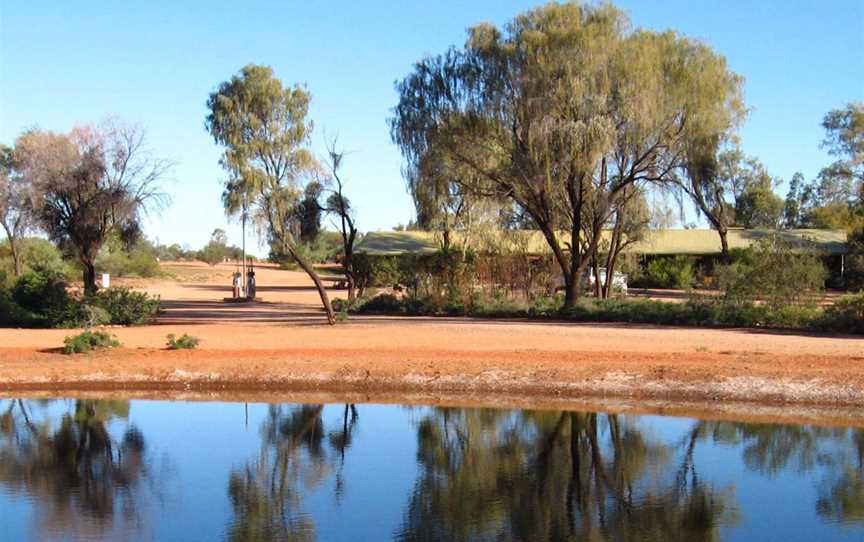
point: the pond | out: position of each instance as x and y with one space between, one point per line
200 471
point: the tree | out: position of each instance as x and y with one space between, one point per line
339 205
562 111
263 128
756 205
89 184
16 210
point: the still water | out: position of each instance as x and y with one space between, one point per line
146 470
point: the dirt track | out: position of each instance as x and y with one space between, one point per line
283 346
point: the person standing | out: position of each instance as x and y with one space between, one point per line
250 281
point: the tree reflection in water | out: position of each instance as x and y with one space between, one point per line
495 475
769 449
294 459
83 480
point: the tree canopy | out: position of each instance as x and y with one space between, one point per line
561 111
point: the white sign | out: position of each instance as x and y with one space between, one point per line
106 280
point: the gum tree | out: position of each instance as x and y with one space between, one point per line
562 111
16 211
263 128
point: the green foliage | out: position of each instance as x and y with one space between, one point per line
772 271
41 292
137 263
846 314
326 247
127 307
82 313
668 272
184 342
87 341
11 314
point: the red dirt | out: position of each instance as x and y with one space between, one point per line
283 345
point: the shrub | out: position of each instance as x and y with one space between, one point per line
669 272
137 263
127 307
383 304
772 271
845 315
184 342
41 292
82 313
87 341
11 314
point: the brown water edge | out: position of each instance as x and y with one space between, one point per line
748 412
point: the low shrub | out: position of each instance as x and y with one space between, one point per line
137 263
127 307
773 271
383 304
845 315
12 314
41 292
184 342
87 341
668 272
82 313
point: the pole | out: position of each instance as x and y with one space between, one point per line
245 286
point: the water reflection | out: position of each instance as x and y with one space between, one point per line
492 475
81 478
295 458
85 471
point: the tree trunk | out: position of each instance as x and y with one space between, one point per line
322 292
724 243
13 247
89 278
16 257
571 291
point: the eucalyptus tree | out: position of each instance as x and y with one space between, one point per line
263 128
90 184
16 209
563 110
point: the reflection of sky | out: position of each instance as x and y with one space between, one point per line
193 447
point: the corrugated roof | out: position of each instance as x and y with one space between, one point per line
694 242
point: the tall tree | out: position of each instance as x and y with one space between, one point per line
89 184
562 108
16 209
263 127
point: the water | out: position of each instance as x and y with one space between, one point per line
142 470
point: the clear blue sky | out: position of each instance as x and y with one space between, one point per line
155 62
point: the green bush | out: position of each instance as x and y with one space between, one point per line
87 341
82 313
137 263
772 271
41 292
668 272
383 304
127 307
845 315
11 314
184 342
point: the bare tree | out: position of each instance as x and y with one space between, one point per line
89 183
338 205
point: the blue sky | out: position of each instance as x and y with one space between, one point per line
63 63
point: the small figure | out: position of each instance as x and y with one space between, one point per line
236 284
250 281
